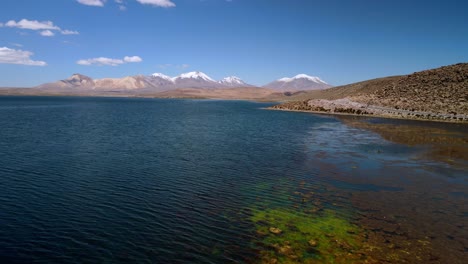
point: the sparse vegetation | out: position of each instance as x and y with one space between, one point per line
437 94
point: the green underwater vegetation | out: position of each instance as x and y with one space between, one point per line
288 236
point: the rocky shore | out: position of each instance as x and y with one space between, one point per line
348 107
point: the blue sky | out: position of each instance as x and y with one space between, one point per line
258 40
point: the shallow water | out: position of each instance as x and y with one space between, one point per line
177 181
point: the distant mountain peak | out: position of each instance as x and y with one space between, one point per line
162 76
298 82
78 79
303 76
233 81
195 75
232 78
78 75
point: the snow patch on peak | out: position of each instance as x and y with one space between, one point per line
285 79
194 75
302 76
162 76
312 78
232 80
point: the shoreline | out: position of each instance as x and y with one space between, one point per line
368 115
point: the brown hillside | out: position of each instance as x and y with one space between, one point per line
441 90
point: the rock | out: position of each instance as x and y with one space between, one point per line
313 243
287 251
275 230
272 261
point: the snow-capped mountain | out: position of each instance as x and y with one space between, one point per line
233 81
162 76
159 82
297 83
302 76
194 79
196 75
155 82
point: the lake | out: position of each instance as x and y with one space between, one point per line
108 180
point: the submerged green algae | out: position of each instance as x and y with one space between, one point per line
307 238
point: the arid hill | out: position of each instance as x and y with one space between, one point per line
438 94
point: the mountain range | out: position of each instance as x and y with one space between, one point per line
159 82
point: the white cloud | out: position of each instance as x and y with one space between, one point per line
103 61
12 56
69 32
46 27
161 3
47 33
132 59
121 5
32 24
92 2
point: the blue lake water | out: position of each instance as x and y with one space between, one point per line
107 180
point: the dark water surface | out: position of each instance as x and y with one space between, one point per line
108 180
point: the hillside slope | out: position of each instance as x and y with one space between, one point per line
437 94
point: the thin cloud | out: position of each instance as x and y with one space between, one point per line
69 32
12 56
121 5
101 3
46 27
92 2
47 33
132 59
32 24
160 3
103 61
